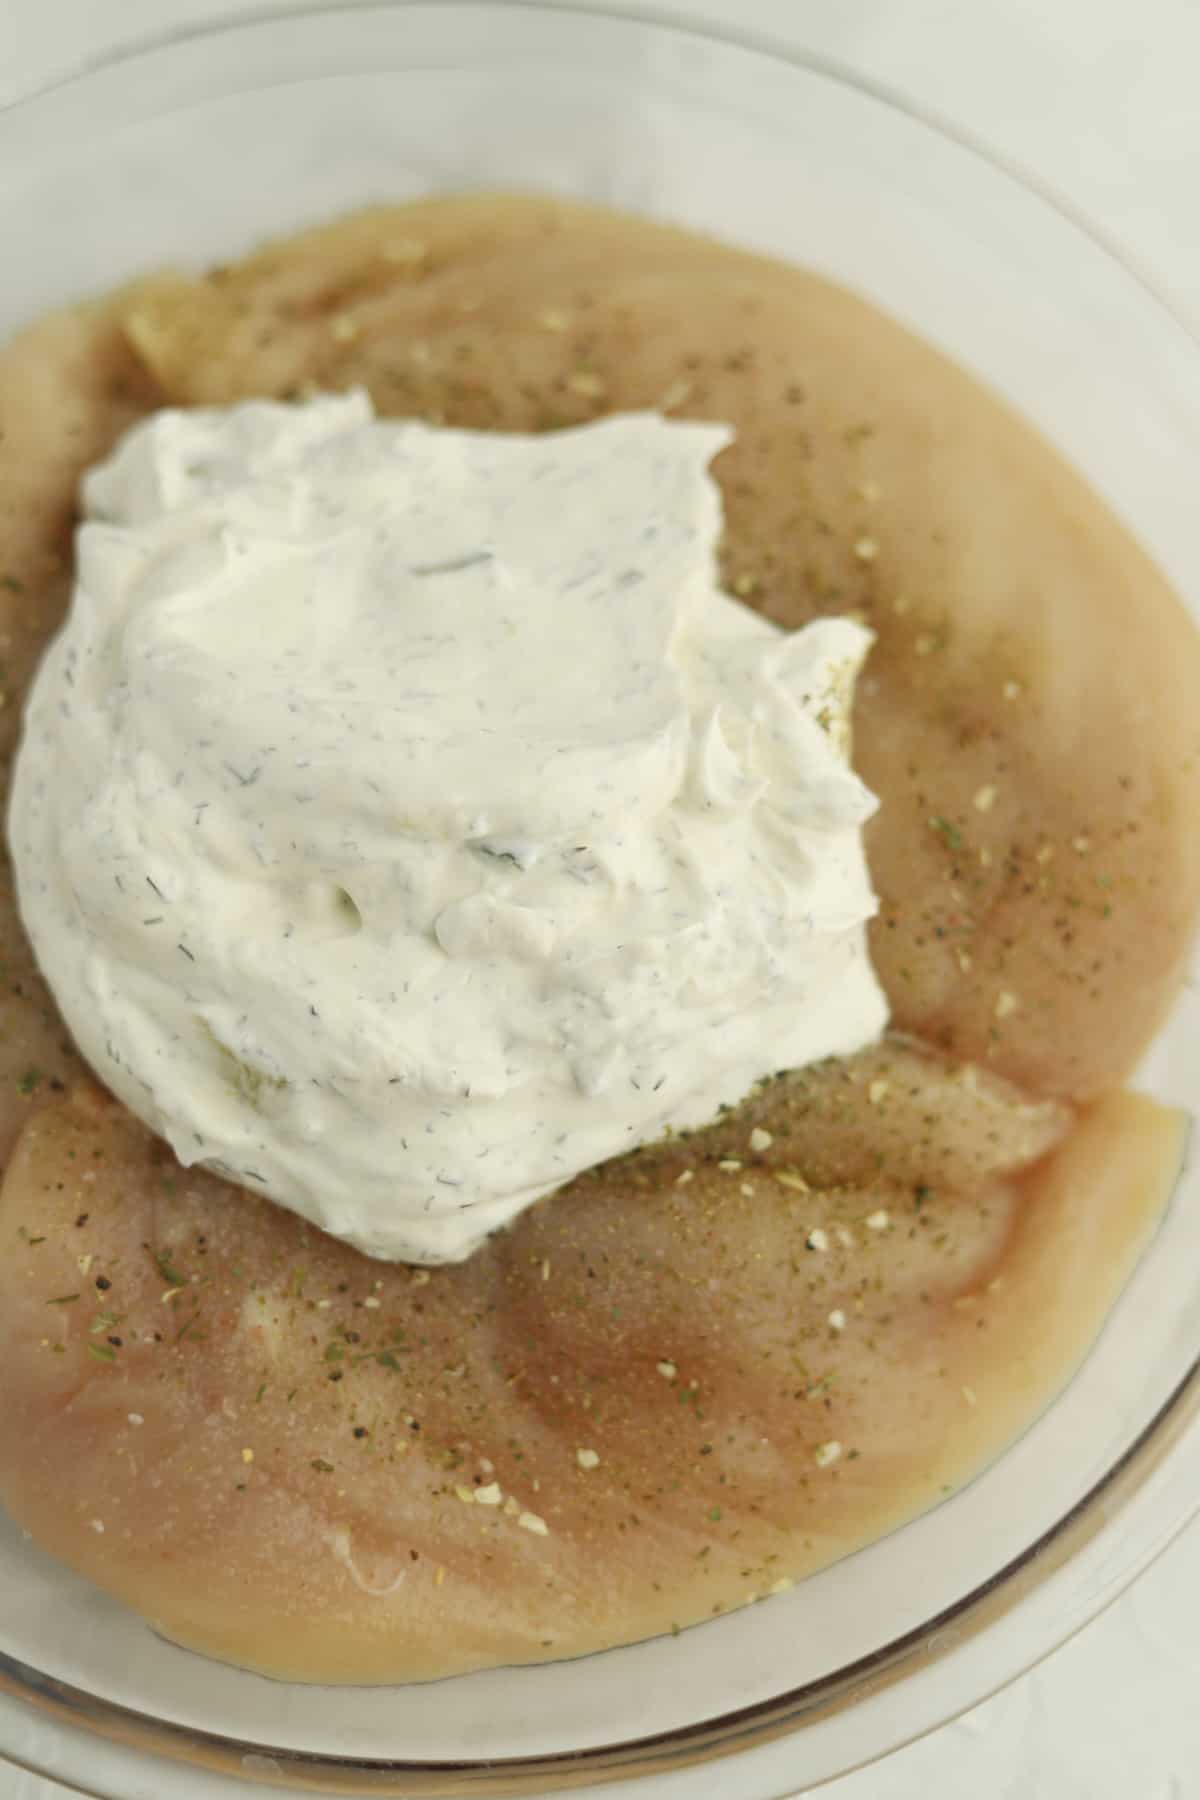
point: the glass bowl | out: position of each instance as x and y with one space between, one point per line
189 151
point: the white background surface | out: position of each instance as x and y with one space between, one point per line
1102 100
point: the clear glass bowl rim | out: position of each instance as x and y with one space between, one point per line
728 1734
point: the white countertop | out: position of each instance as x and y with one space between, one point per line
1100 99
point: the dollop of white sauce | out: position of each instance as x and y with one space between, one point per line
405 820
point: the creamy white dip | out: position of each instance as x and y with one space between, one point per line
405 820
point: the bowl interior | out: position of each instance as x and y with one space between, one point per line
192 152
